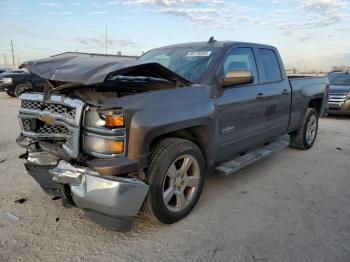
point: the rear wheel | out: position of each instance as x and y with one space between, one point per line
176 177
305 137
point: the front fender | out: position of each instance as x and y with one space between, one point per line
148 124
153 114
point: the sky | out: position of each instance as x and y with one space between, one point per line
311 34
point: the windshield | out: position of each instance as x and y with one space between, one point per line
342 79
189 62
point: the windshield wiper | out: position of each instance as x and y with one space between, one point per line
139 79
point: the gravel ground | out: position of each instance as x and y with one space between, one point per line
293 206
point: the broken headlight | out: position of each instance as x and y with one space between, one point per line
104 132
112 118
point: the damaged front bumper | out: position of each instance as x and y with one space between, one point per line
108 200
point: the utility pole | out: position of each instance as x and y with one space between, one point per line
5 59
106 39
13 56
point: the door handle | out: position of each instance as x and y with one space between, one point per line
285 92
260 95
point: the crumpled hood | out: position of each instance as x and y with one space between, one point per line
88 71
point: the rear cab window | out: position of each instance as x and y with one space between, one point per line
271 67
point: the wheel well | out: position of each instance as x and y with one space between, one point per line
197 135
316 104
28 83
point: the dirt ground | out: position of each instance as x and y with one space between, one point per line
293 206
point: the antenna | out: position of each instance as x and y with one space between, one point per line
106 39
211 40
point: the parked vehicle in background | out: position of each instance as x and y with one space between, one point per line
6 69
339 93
16 82
111 137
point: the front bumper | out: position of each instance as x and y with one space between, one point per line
108 200
3 87
341 109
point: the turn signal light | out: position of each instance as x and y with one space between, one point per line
115 121
116 146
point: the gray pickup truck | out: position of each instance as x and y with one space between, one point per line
112 138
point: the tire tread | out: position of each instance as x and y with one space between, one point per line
297 138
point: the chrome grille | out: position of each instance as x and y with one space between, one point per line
337 97
27 125
336 100
64 126
53 129
70 141
52 108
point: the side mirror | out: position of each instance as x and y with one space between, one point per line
237 77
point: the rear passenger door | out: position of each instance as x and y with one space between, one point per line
276 84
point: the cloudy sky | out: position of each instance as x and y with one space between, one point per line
309 33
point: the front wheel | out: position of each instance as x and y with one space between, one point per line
176 177
11 94
21 88
304 138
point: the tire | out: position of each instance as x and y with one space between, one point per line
21 88
165 203
11 94
305 137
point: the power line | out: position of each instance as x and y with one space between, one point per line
13 56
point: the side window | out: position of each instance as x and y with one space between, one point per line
241 59
271 65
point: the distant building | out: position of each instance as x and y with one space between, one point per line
118 57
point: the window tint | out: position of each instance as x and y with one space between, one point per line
241 59
271 65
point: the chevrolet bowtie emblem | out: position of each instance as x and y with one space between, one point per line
48 119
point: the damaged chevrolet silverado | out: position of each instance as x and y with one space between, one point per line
114 138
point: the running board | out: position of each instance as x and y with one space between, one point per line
232 166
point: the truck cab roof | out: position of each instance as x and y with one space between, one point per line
218 44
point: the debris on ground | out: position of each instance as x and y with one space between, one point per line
13 216
339 148
2 161
56 198
21 200
57 219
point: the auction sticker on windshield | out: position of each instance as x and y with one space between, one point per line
199 53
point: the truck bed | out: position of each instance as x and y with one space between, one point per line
304 89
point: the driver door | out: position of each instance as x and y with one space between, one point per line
241 109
